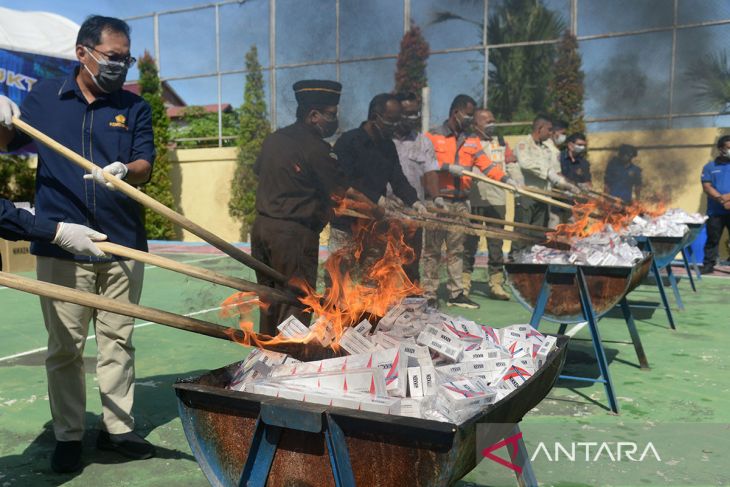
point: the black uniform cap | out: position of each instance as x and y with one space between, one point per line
317 92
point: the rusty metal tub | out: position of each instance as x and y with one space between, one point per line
606 287
384 450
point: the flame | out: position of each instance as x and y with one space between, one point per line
595 215
367 279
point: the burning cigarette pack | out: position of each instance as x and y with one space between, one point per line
355 343
293 328
363 328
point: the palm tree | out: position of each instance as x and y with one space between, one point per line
518 76
710 77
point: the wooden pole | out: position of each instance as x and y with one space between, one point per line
308 351
495 221
62 293
153 204
514 189
264 292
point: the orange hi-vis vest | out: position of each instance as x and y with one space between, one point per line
465 151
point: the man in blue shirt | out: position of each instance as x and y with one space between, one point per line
623 177
89 113
716 184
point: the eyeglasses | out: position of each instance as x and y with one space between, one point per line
125 61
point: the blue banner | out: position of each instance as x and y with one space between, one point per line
19 71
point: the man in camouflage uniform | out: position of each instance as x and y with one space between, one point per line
538 164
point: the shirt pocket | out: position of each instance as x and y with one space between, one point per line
116 143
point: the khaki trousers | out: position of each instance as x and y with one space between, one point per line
68 326
431 256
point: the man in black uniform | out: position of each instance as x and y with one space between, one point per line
369 158
298 174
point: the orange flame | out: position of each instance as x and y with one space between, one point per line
367 279
595 215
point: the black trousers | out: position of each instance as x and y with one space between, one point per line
292 249
494 246
715 226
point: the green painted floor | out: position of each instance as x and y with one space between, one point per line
680 405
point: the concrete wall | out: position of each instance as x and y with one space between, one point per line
202 186
671 161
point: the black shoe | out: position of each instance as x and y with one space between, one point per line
131 445
66 457
432 303
707 269
462 302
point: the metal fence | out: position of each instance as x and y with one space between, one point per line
637 55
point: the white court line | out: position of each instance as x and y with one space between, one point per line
212 257
146 323
572 332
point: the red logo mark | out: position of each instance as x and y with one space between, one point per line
487 452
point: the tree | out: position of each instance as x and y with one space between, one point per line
518 76
710 77
17 178
160 185
410 74
196 123
253 128
566 87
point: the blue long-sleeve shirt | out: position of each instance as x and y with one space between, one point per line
18 224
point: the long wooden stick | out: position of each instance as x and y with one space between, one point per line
514 189
62 293
264 292
153 204
311 350
495 221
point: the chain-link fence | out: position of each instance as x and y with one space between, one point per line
647 63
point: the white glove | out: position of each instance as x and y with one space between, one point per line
420 208
456 169
440 203
116 169
78 239
8 110
554 177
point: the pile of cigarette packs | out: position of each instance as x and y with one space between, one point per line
604 248
670 224
416 362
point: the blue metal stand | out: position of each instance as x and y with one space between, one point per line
688 269
590 316
273 420
645 244
521 458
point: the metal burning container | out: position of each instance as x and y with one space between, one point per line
240 438
606 287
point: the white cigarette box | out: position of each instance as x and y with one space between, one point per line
293 328
395 368
383 405
457 369
416 355
491 334
465 330
363 328
442 348
429 381
514 378
415 382
547 346
410 407
482 354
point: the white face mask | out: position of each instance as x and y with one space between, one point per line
726 153
579 148
559 139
